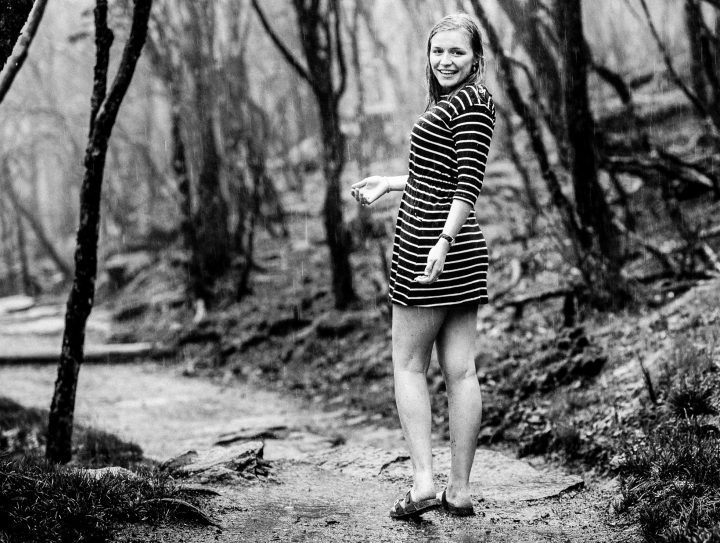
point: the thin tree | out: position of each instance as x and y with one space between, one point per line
25 39
13 15
325 71
103 113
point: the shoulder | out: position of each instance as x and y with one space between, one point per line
470 98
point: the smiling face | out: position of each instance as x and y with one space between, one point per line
451 57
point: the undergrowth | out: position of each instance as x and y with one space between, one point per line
670 478
44 502
41 502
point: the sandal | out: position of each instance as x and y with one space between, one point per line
464 511
406 507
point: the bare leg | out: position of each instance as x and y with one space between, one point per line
413 332
456 353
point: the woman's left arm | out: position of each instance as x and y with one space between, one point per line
472 131
459 212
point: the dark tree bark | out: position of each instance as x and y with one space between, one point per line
319 25
13 14
589 196
27 34
526 17
694 33
195 288
211 215
104 110
9 281
590 200
27 283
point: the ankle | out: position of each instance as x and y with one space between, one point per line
455 492
423 487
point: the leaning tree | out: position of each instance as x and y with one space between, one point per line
104 108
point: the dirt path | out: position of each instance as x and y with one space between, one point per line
333 474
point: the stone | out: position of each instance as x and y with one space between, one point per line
219 460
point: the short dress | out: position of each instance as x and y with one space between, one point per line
449 145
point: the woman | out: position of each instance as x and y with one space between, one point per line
440 261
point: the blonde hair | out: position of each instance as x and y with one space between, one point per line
456 21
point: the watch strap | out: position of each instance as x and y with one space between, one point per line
447 238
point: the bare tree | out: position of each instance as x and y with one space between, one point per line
324 70
103 113
26 37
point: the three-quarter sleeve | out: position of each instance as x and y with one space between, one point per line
472 129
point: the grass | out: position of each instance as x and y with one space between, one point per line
41 501
670 478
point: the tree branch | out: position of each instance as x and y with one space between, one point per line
23 45
340 53
284 50
131 53
103 42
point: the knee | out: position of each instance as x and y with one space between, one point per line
460 373
410 364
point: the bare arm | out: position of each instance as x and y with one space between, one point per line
371 188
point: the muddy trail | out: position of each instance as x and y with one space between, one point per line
327 475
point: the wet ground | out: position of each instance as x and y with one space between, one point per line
334 474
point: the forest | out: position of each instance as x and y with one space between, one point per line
183 269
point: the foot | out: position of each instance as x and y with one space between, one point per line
407 507
459 505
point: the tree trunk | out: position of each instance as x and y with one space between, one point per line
337 236
211 216
13 14
28 33
693 26
590 202
27 283
104 109
364 213
9 281
182 179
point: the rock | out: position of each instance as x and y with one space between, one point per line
219 462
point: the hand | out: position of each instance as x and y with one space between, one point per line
370 189
435 263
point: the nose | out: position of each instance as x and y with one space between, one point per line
445 59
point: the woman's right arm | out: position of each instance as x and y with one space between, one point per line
371 188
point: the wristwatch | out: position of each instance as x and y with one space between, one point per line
447 238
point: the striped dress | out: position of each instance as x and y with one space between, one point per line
449 146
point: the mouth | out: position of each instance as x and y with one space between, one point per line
447 73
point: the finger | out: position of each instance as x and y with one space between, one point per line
359 184
423 279
429 267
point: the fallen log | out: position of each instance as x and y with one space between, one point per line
102 353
